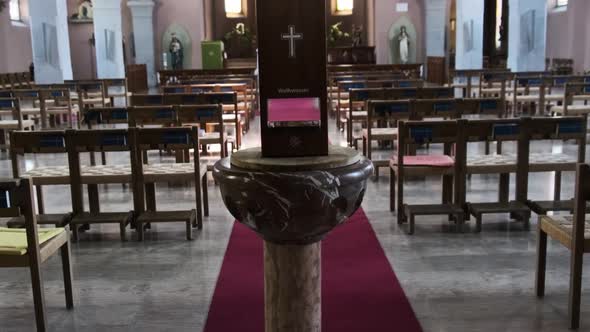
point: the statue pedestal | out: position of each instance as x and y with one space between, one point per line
292 203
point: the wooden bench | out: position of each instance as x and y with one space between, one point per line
573 232
33 246
90 141
146 175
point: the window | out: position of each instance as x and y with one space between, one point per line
561 3
235 8
14 9
342 7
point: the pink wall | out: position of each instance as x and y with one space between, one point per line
385 17
15 42
566 33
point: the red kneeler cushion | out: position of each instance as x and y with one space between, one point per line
429 160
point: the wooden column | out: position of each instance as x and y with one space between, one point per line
292 287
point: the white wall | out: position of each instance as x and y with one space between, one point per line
468 11
520 58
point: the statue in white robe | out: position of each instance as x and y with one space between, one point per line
404 45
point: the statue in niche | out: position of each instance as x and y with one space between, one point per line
176 53
357 32
85 12
404 45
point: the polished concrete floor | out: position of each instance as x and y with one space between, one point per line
455 282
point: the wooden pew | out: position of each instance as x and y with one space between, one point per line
572 232
38 245
172 76
90 141
416 133
409 70
147 174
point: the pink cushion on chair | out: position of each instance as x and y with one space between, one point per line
429 160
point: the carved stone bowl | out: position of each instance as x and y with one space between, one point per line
293 201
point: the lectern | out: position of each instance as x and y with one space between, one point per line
296 188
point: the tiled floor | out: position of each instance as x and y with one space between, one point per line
455 282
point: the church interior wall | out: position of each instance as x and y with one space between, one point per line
15 42
386 15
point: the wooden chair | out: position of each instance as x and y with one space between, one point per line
58 103
530 94
421 132
147 100
564 128
105 116
117 88
90 141
146 175
573 232
140 116
201 115
229 100
382 125
501 130
11 107
92 94
39 142
33 246
31 102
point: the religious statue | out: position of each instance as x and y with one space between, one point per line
404 45
176 53
357 38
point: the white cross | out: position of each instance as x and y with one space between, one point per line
292 37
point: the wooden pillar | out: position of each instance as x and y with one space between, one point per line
292 287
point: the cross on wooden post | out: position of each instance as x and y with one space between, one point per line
292 37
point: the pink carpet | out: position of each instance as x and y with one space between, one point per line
359 288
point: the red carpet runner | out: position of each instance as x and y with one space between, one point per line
360 292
